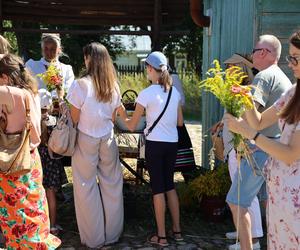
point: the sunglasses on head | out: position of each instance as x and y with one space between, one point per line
292 59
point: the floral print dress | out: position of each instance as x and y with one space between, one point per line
284 192
24 211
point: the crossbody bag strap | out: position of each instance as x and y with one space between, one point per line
161 114
27 113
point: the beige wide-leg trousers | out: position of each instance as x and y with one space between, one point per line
98 205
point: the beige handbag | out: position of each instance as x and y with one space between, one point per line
63 137
15 148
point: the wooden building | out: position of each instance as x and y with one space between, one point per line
155 18
234 27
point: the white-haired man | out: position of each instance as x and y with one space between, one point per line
270 84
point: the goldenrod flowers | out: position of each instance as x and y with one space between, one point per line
227 87
236 98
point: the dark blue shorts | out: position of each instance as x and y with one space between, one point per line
160 160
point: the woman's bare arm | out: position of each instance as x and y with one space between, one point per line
260 121
286 153
75 114
138 112
179 116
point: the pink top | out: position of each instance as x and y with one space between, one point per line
14 99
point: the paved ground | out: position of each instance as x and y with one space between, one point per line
195 131
139 219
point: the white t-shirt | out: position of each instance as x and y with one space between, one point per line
154 99
95 117
38 67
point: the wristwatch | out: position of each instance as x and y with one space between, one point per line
252 141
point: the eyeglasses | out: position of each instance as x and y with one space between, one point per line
254 50
292 59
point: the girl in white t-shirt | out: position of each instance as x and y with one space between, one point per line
161 142
94 99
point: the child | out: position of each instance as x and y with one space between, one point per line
161 142
53 172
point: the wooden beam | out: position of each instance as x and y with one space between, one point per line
77 20
97 12
81 13
87 2
82 32
131 3
75 8
95 31
1 17
157 21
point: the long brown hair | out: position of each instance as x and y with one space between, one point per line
101 70
14 68
291 113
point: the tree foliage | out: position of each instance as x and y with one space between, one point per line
190 44
28 45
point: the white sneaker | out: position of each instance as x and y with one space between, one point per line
237 246
231 235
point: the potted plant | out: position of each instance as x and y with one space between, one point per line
210 189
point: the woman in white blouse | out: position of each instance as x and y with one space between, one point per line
97 174
51 50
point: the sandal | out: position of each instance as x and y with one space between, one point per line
176 236
157 241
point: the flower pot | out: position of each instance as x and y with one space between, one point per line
213 208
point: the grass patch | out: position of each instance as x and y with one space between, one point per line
192 109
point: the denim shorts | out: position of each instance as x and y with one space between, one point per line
250 183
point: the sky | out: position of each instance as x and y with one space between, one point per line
141 42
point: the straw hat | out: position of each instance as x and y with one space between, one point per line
244 62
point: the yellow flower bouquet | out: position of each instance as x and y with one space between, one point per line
227 87
51 77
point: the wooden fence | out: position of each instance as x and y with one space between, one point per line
137 69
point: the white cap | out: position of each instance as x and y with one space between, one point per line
46 98
157 60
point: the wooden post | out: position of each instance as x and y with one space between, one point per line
1 18
155 39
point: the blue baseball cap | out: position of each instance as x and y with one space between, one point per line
157 60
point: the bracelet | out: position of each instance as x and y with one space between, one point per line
255 137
